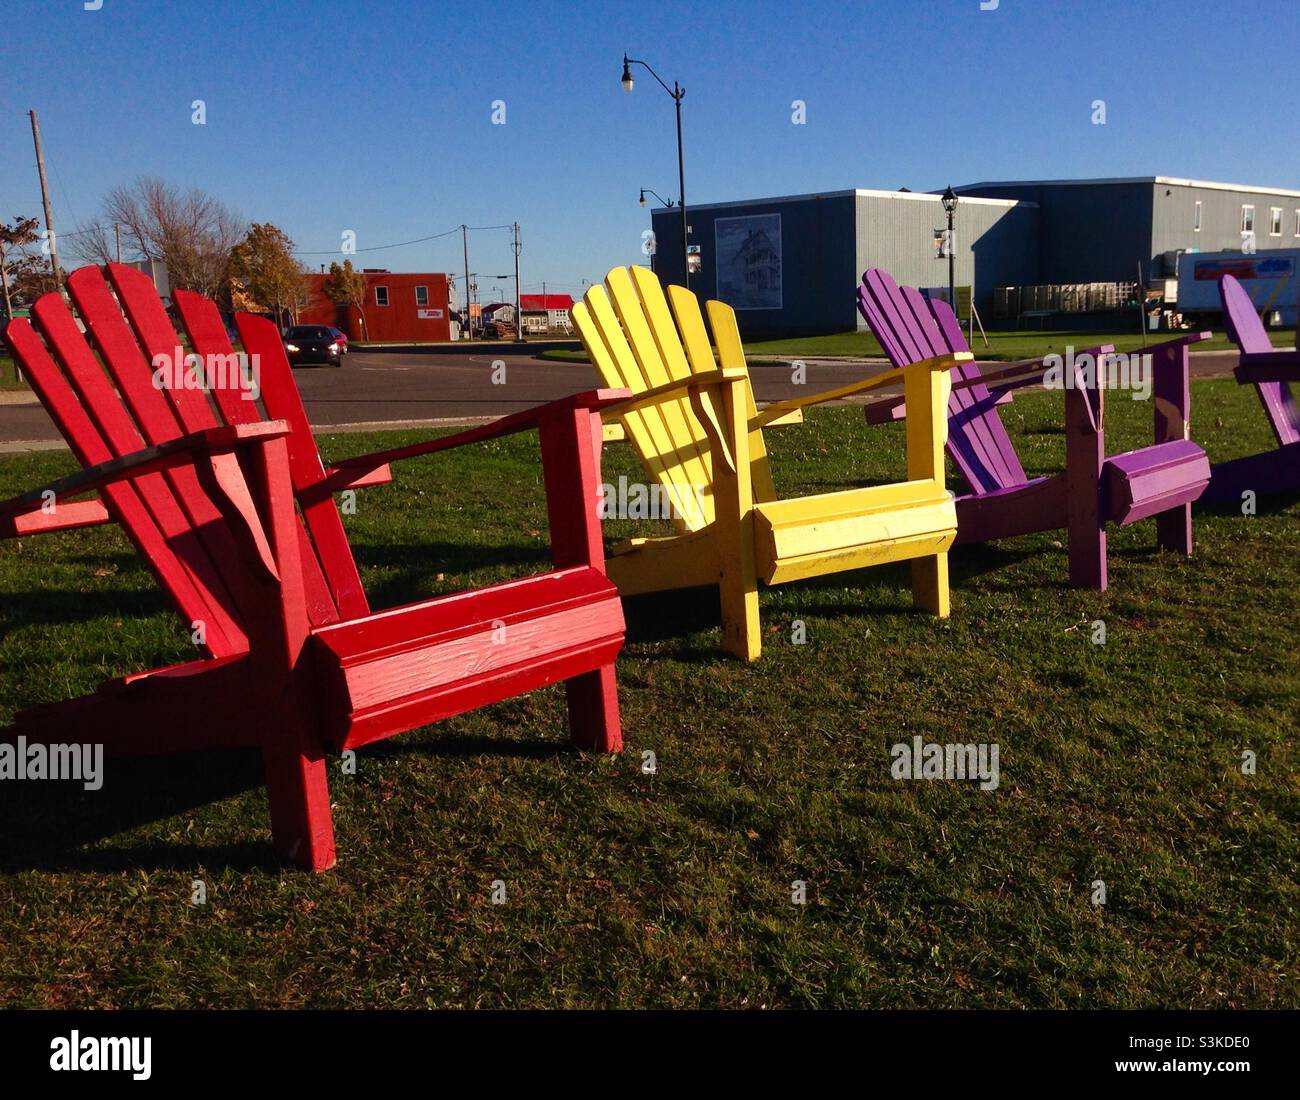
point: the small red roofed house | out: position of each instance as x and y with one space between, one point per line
545 312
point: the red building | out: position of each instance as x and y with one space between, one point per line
398 308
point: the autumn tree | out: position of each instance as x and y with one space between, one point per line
347 287
265 275
13 238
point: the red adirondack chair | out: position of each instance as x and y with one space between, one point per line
1160 480
234 513
1269 371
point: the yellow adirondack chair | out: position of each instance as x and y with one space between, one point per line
696 429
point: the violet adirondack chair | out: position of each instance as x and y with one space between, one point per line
234 513
1161 480
1270 371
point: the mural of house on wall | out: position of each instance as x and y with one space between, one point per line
748 251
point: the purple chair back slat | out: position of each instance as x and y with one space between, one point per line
910 329
1247 331
973 409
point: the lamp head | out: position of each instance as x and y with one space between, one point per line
627 75
949 200
643 196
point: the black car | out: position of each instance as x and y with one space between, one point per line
312 344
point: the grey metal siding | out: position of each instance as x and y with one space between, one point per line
996 245
1092 233
1174 219
817 257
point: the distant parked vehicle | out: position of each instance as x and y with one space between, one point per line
1269 278
312 344
340 338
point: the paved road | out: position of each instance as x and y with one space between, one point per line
423 387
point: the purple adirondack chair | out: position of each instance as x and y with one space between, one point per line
1278 470
1160 480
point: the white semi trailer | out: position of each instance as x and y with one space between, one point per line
1269 276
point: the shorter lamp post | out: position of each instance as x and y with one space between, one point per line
667 203
950 207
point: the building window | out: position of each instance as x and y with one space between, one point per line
1247 218
1196 224
1275 221
381 295
421 295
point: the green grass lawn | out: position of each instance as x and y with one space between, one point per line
1009 346
9 379
1119 762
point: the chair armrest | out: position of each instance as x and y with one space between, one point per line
1180 341
790 418
348 479
37 521
164 456
670 391
1269 366
891 377
342 473
888 410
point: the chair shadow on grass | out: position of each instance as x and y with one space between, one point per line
59 826
1269 505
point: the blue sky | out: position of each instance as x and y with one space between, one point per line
330 115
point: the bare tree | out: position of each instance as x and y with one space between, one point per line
90 242
191 232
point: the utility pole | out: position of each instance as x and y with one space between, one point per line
117 233
519 317
464 240
45 199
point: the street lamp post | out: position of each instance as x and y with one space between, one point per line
645 191
950 207
678 93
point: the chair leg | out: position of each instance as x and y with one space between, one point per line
1174 530
930 584
593 710
742 635
302 829
1085 459
1087 540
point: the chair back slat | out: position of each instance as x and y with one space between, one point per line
695 338
1247 331
973 412
138 391
89 412
659 353
637 340
164 413
611 354
909 328
330 576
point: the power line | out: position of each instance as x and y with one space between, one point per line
403 244
381 247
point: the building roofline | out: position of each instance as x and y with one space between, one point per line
1168 180
858 192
